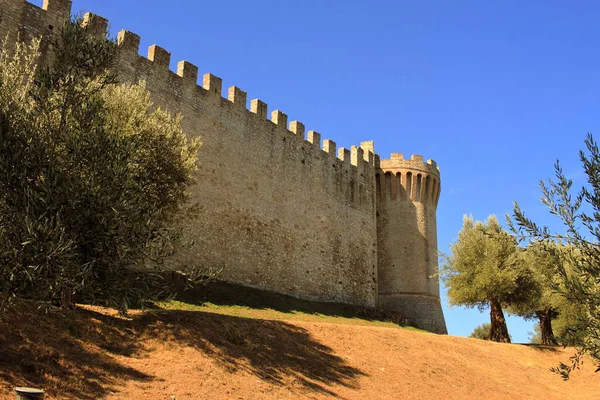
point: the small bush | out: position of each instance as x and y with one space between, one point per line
481 332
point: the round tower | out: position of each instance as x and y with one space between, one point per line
407 197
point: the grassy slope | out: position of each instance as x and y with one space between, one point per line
246 344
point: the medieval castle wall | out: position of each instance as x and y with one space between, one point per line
278 208
277 211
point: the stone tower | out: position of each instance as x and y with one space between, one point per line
407 196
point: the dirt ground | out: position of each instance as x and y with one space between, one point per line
92 353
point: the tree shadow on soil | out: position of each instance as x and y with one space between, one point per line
228 294
543 347
274 351
70 354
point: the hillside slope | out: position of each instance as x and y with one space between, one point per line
232 352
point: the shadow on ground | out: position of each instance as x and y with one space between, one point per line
228 294
61 351
543 347
70 353
272 350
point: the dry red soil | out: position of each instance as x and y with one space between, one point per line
92 353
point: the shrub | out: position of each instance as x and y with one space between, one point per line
93 178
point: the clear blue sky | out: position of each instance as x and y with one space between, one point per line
494 91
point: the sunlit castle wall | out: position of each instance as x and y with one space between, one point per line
279 208
279 211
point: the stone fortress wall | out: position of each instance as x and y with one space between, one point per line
278 208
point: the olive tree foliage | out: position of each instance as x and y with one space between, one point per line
93 178
535 337
482 270
570 320
579 275
558 316
481 332
541 259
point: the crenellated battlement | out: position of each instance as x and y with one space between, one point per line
29 21
416 162
157 62
95 25
61 8
411 179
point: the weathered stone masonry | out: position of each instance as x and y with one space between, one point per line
278 209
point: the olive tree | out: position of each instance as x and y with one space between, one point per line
482 270
579 275
93 177
544 303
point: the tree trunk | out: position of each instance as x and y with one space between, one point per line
498 330
545 318
66 298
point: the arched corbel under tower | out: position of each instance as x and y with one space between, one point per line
407 197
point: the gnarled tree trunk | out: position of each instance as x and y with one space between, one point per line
66 298
545 318
498 329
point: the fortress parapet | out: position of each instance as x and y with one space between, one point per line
408 180
154 69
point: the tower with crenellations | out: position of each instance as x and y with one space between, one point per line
280 208
408 191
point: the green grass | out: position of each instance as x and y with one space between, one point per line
273 314
229 299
